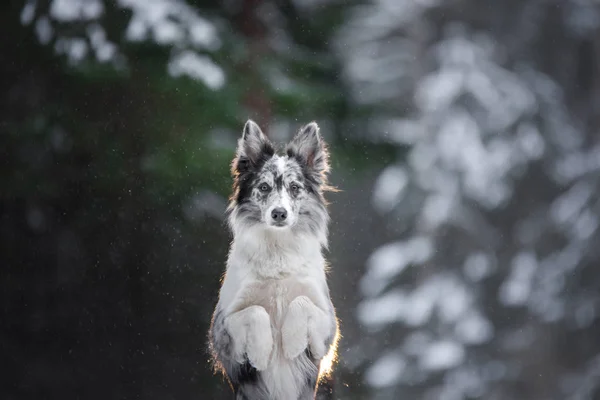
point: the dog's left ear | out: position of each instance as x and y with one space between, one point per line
308 146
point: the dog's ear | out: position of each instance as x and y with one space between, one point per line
253 145
310 149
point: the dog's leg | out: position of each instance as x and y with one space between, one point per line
306 326
250 331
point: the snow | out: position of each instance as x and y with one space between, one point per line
28 12
168 32
481 124
530 141
177 23
516 289
474 329
389 188
586 225
437 210
103 48
415 343
44 31
78 49
454 300
382 310
169 22
400 131
76 10
442 355
421 303
386 371
136 30
445 294
439 90
197 67
566 207
391 260
477 266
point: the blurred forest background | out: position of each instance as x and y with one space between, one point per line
465 242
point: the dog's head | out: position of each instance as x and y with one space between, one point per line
280 192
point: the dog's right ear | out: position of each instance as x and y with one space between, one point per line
253 146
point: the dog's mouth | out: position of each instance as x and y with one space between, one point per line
279 224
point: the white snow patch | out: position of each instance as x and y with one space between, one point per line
383 310
437 210
530 140
567 206
477 266
442 355
168 32
28 12
197 67
169 22
388 188
516 289
391 260
421 303
415 343
474 329
586 224
454 300
386 371
76 10
446 294
439 89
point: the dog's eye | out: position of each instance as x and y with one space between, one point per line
264 187
294 188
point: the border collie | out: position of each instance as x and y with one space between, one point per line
274 330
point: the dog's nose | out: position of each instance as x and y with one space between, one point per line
279 214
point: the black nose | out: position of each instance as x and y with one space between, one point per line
279 214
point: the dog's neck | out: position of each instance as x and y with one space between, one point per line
276 254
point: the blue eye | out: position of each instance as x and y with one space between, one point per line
264 187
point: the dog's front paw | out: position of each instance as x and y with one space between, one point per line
250 330
260 346
305 326
318 348
294 330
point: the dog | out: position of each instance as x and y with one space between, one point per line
274 330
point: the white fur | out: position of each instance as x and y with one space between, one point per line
282 201
273 273
280 163
253 335
304 325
